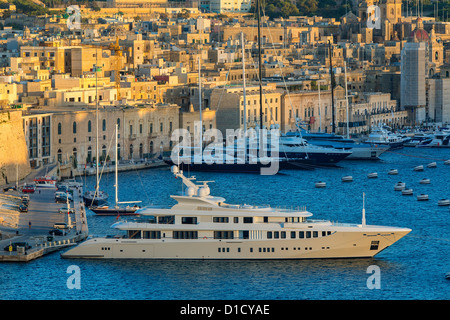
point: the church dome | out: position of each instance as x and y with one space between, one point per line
419 34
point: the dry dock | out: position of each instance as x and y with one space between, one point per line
34 227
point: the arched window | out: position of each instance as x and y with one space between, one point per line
151 148
118 122
89 126
59 156
59 128
141 151
104 124
130 155
74 127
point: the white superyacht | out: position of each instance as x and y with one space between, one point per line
202 226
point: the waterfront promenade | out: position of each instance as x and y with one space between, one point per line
34 226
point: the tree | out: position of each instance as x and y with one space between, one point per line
289 9
307 7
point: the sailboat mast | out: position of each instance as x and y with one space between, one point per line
200 102
116 186
243 77
258 14
346 96
96 121
333 125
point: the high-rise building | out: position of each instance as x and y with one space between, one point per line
414 65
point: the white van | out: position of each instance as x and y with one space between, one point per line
60 225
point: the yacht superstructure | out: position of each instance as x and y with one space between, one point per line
202 226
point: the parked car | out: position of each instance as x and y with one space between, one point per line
14 246
64 210
56 232
23 208
60 225
29 189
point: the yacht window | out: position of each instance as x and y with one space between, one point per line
283 234
269 234
166 220
248 219
223 235
308 234
220 219
292 234
315 234
134 234
301 234
324 233
276 234
185 235
189 220
152 234
266 219
236 219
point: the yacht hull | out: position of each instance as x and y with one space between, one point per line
90 200
337 245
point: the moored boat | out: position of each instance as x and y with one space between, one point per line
444 202
45 182
399 186
203 226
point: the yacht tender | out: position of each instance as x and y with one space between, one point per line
202 226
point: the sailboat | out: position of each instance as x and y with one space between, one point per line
105 210
96 197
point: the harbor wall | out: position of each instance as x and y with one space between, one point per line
13 149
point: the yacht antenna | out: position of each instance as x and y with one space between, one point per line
363 222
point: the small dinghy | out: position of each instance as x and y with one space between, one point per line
407 192
422 197
320 184
393 171
347 179
418 168
425 181
447 162
399 186
432 165
372 175
444 202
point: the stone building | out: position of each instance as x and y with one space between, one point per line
144 132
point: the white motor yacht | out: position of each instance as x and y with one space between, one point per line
202 226
381 136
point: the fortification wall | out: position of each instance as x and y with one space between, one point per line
13 149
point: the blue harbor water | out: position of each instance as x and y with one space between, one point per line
413 268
